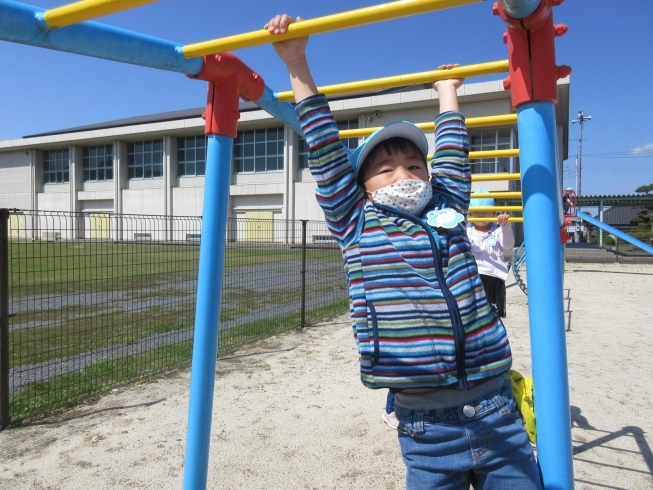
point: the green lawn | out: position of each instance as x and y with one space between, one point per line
66 267
70 299
149 289
38 399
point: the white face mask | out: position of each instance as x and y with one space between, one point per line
410 196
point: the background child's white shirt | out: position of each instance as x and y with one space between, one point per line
490 259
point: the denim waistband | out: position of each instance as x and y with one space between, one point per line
482 405
447 398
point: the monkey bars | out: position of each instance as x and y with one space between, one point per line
476 70
352 18
494 177
532 79
88 9
472 122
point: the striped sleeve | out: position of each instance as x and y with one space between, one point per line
337 191
450 170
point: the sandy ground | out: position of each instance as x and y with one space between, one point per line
290 412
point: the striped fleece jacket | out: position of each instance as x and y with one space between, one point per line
418 308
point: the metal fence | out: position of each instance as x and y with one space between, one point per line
89 301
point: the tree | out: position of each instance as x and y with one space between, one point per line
645 189
644 219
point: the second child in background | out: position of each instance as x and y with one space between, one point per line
489 241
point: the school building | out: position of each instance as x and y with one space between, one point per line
155 164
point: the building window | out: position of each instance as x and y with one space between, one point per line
97 162
490 139
351 143
145 159
56 167
191 156
259 150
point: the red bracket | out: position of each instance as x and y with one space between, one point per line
229 79
564 235
531 50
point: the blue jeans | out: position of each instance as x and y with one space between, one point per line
390 403
444 448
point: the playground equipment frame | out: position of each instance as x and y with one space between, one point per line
532 79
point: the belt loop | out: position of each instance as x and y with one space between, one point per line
499 401
418 423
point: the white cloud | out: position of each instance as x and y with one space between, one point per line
642 149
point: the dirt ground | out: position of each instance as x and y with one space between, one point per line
291 413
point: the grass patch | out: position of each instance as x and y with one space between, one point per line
46 268
56 268
50 334
68 390
88 333
234 337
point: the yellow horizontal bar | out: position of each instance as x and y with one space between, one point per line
500 120
88 9
478 155
491 209
498 195
352 18
472 122
494 177
467 71
512 219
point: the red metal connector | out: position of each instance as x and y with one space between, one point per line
229 79
564 234
531 51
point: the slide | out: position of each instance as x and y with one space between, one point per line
613 231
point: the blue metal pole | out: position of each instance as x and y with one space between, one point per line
207 312
614 231
541 196
281 111
24 24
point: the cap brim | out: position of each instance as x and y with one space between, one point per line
400 129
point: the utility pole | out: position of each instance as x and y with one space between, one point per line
579 162
579 157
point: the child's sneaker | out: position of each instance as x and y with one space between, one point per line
390 419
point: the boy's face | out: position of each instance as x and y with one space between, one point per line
476 214
387 168
482 226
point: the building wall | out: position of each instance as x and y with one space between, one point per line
289 194
188 197
16 180
55 197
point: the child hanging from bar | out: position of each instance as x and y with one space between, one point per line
489 241
422 323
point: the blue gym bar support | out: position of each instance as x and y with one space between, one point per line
207 311
24 24
541 197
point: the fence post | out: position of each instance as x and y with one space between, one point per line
303 272
4 318
616 249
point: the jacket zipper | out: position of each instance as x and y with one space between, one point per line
375 333
456 321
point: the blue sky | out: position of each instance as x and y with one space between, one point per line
609 46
